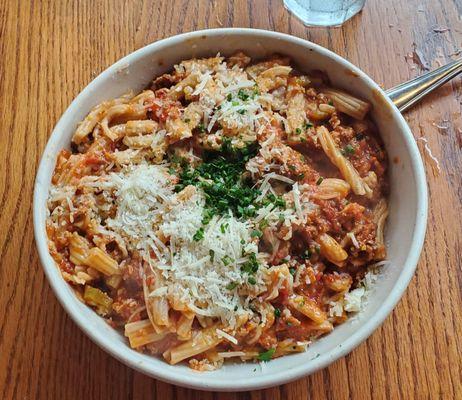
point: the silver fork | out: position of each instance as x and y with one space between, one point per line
408 93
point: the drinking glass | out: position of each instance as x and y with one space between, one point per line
324 12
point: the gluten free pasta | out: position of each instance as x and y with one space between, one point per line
229 211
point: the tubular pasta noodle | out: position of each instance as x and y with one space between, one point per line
348 104
202 341
347 170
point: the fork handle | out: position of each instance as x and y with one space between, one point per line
408 93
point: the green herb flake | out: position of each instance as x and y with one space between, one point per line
199 235
251 266
266 355
348 150
231 285
187 120
212 255
319 181
298 131
256 233
241 111
226 260
242 95
252 280
307 125
229 97
292 271
277 312
224 226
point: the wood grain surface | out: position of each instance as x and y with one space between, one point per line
49 50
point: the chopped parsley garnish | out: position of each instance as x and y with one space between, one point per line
263 224
223 227
231 285
252 280
207 216
256 233
241 111
187 120
251 266
348 150
331 103
277 312
242 95
307 125
266 355
199 235
229 97
292 271
278 201
221 178
227 260
298 131
212 255
319 181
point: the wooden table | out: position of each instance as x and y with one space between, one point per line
51 49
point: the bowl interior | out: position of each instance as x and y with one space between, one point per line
406 224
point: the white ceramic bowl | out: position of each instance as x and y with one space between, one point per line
406 223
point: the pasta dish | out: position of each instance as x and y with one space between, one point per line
232 210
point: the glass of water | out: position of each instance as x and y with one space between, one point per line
324 12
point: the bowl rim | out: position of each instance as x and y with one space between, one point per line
256 382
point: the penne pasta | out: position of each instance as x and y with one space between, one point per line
348 104
101 261
331 188
141 333
308 308
202 341
347 170
79 249
332 250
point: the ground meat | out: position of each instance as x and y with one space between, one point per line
132 273
124 305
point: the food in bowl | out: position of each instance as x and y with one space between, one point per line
231 210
